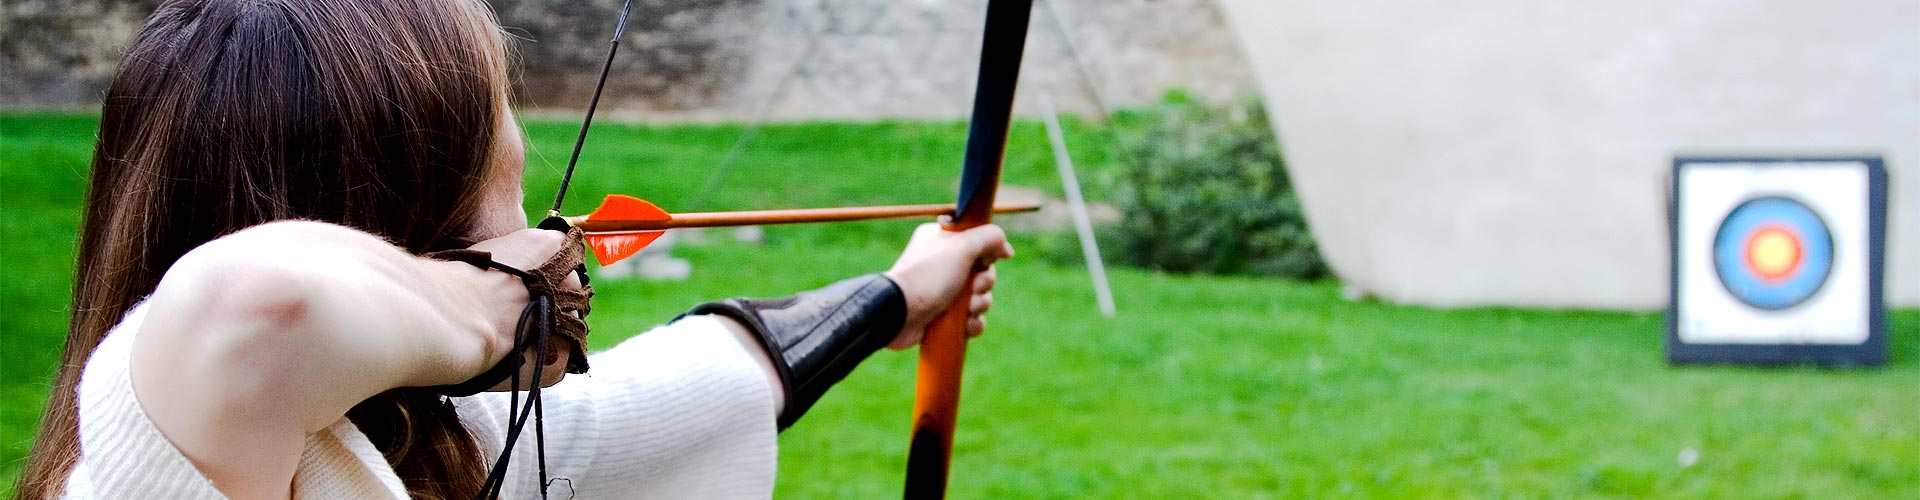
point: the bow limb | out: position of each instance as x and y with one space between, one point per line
586 123
944 351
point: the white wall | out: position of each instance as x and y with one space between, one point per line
1516 151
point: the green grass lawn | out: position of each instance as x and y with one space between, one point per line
1202 387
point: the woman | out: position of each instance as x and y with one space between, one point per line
255 314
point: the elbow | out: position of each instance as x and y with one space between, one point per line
223 336
229 361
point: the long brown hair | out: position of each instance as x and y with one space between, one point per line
375 114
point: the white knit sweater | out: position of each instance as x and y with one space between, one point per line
679 412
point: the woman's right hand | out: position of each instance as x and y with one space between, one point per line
502 297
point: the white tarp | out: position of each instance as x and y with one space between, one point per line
1517 152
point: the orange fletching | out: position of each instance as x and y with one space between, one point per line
609 248
620 207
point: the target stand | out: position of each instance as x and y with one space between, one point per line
1777 260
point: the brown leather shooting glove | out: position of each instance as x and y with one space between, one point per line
552 310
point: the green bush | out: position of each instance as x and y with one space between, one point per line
1202 188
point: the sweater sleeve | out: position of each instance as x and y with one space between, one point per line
680 411
122 453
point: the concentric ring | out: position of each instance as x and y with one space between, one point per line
1773 252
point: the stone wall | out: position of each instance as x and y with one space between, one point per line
63 53
739 59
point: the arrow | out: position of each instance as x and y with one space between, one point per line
623 225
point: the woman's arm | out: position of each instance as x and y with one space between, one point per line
258 338
691 407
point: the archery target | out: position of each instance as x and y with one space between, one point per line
1775 252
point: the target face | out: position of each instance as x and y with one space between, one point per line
1772 252
1777 260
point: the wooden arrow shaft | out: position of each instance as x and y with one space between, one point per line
781 216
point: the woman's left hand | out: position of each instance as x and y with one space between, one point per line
937 267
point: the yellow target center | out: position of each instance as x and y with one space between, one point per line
1773 253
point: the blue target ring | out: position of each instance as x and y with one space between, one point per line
1773 252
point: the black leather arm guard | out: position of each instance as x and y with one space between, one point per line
817 337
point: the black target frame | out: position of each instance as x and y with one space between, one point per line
1872 351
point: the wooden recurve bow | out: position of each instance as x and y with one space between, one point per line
937 390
